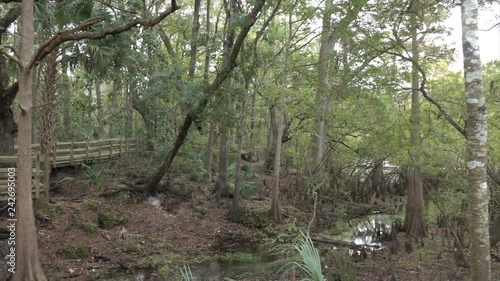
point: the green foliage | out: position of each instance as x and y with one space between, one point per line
186 273
238 257
105 220
94 175
133 248
346 268
89 227
77 252
309 260
252 218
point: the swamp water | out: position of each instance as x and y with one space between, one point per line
368 230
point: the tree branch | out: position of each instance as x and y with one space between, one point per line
424 92
9 56
72 35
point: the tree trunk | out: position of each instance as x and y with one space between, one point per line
28 267
221 182
272 132
239 143
228 65
90 109
325 54
49 101
65 93
476 135
211 134
414 217
114 106
377 177
210 145
275 198
275 201
100 116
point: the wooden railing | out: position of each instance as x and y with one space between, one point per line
8 175
63 154
72 153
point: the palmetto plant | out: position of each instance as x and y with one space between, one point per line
186 273
309 260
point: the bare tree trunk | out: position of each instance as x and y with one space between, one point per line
90 110
28 267
210 145
272 132
476 135
100 116
275 197
211 134
239 142
114 106
414 218
325 53
49 101
221 182
64 91
377 177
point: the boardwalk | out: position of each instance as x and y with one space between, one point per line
63 154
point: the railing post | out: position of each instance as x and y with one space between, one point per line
136 144
120 149
36 178
46 175
99 149
71 153
127 146
87 152
54 154
110 148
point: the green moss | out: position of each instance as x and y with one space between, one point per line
105 220
77 252
89 227
133 248
238 257
200 210
254 219
164 271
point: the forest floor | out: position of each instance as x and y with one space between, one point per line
96 230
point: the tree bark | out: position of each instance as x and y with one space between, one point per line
325 54
49 101
414 217
28 266
221 182
114 106
476 135
239 143
100 116
229 63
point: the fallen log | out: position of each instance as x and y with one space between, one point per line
342 243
